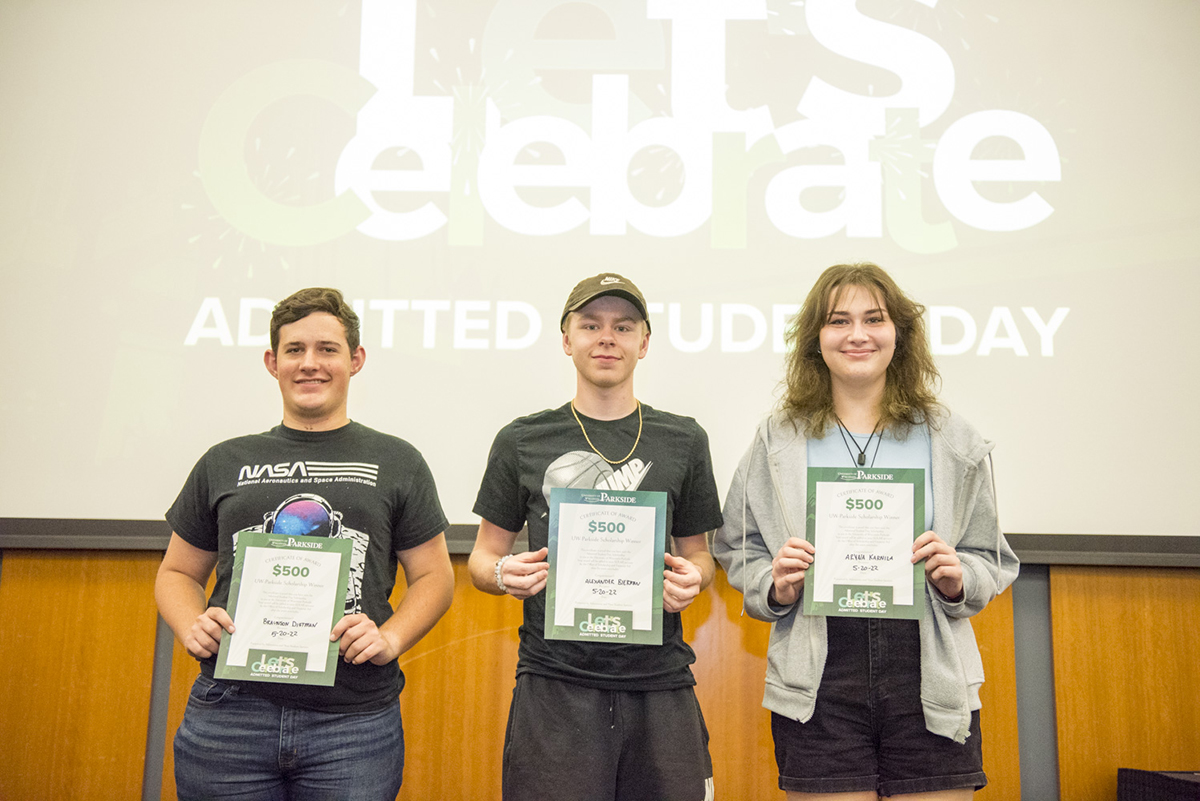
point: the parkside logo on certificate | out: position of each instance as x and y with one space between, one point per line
863 523
606 566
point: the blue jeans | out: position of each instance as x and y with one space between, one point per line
232 745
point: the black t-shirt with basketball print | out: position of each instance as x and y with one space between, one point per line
534 454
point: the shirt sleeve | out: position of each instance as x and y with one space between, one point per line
502 500
420 517
699 507
192 516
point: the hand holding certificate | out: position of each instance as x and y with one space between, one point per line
863 523
682 581
606 566
942 565
788 570
285 597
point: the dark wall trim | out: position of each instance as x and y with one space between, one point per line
1103 549
75 534
132 535
1033 549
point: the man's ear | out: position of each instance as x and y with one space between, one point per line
566 344
358 359
269 361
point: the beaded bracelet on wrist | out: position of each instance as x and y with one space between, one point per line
498 573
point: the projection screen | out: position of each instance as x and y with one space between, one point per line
1026 170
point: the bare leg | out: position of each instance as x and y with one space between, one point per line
964 794
938 795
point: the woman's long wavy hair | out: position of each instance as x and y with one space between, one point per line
909 392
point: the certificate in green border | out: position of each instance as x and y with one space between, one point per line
596 621
276 662
865 597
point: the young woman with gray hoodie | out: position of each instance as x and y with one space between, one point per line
865 707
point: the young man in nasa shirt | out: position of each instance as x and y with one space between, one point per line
593 720
317 473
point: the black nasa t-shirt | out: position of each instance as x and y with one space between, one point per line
351 482
533 454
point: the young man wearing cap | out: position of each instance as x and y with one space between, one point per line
317 474
596 720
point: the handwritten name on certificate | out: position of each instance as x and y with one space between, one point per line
863 523
606 566
285 597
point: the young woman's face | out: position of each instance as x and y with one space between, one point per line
858 339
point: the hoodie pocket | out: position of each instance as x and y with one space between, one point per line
968 651
791 657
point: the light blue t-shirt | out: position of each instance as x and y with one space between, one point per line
885 451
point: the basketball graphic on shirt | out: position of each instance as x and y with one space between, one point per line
576 470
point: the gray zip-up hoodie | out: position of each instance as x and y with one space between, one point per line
766 505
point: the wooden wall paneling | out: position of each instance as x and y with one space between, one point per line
458 687
78 648
1126 672
998 718
184 670
731 670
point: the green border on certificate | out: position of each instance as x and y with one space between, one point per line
285 597
606 566
863 534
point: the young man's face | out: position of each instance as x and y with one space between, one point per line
313 366
605 339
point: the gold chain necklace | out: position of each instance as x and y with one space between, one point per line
597 450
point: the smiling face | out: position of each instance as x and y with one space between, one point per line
858 339
605 339
313 365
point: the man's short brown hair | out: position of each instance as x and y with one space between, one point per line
300 304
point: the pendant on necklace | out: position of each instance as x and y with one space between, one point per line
862 459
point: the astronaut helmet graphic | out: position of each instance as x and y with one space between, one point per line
304 515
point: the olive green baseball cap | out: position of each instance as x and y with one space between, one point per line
600 285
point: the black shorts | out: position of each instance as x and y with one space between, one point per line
868 732
571 743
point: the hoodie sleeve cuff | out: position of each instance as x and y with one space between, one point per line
961 606
761 606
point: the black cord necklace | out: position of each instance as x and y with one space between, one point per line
861 459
